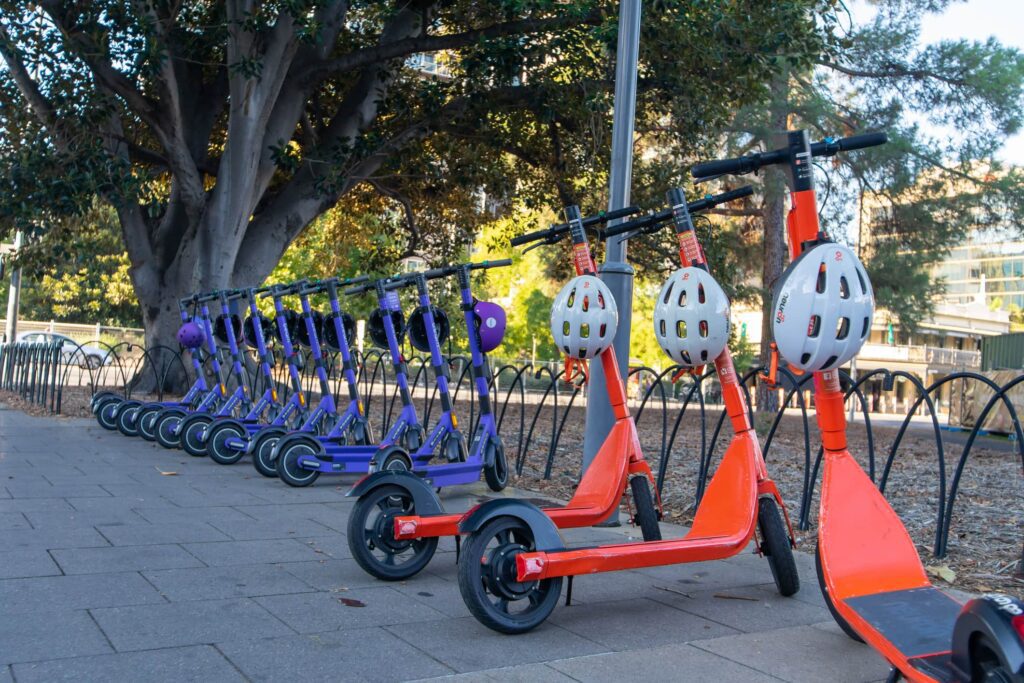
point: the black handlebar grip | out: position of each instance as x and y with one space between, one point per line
635 224
435 273
714 200
862 141
737 166
531 237
354 280
605 216
483 265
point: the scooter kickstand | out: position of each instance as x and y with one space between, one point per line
894 676
458 548
568 591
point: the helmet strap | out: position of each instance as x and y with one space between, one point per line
576 369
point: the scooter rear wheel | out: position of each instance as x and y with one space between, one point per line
216 442
288 468
263 451
842 623
646 516
487 579
371 535
192 428
776 547
145 421
126 415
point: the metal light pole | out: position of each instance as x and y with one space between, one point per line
14 295
615 271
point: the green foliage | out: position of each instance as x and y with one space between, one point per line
78 272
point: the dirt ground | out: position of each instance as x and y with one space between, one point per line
987 529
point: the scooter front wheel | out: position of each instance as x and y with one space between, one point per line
488 578
126 415
105 412
263 446
496 474
216 443
646 515
145 421
371 535
288 468
840 621
166 428
192 428
776 547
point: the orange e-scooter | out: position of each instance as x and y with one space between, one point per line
868 567
394 536
514 560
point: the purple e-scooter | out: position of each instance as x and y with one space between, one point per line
332 455
459 464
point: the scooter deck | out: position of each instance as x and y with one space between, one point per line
918 621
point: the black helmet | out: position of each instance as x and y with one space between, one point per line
348 324
303 331
418 328
266 325
376 327
292 323
220 330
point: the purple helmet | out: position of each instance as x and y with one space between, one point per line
490 324
190 335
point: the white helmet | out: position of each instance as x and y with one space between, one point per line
821 314
584 317
691 318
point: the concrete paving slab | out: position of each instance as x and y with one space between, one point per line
70 518
801 654
252 552
14 520
81 591
161 533
125 558
17 564
235 581
330 575
169 513
747 609
526 673
44 489
33 504
465 645
353 608
46 635
252 530
666 663
334 656
194 663
186 623
48 539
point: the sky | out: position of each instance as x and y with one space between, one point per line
977 20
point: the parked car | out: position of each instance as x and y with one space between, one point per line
73 352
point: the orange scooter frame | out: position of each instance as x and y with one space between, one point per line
869 571
528 562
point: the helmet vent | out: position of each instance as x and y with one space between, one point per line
867 328
565 327
820 286
804 358
829 362
586 303
863 285
814 327
572 298
668 293
700 294
681 329
682 297
604 329
600 300
662 326
703 355
585 330
843 330
844 288
686 358
703 327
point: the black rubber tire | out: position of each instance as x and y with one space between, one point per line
359 434
165 424
191 427
477 582
396 461
96 399
105 413
126 418
645 513
496 475
776 547
145 421
986 661
389 501
843 623
288 454
263 445
217 434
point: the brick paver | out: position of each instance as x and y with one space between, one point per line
120 560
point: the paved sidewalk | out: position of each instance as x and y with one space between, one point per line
113 568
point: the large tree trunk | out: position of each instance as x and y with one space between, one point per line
774 245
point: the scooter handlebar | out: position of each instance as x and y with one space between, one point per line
656 219
556 231
752 162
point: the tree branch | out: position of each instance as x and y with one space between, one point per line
43 108
894 71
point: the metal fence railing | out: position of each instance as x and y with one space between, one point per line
681 423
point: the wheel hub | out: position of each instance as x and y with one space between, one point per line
384 533
502 575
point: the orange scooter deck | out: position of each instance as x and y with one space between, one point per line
723 526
